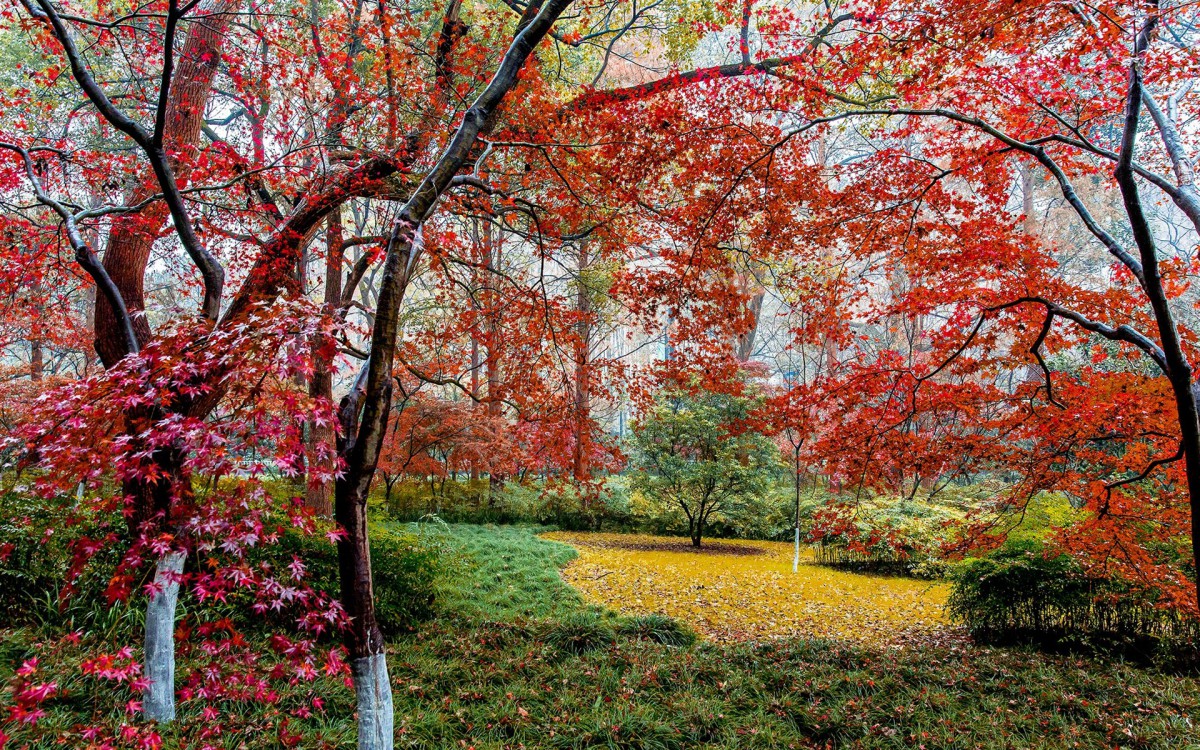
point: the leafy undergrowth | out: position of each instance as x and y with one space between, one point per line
516 658
95 703
738 590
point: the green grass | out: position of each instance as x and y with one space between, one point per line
514 659
503 573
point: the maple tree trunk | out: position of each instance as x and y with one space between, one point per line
745 341
319 493
153 506
474 475
373 692
1029 223
580 468
580 464
37 363
154 494
125 260
37 354
1178 369
1189 422
365 430
363 638
158 699
494 407
1032 371
360 447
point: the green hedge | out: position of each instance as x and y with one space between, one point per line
1023 591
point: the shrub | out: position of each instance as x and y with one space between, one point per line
580 632
889 535
604 506
1020 587
46 545
1023 591
404 568
411 499
32 564
567 506
658 629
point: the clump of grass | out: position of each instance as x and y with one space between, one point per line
579 633
657 629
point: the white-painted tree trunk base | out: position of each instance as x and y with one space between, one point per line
796 557
158 701
374 693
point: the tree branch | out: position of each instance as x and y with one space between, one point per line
151 145
83 252
1123 332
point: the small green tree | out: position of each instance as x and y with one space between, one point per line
692 451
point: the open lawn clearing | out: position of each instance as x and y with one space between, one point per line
739 590
487 674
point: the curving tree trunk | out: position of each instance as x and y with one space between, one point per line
363 638
364 412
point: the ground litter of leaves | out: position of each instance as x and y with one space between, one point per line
733 590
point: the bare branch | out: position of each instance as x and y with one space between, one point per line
1123 332
151 145
83 252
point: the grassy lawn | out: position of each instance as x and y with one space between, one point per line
495 670
517 658
502 574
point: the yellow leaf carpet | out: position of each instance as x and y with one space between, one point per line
745 590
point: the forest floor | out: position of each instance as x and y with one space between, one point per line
517 658
734 590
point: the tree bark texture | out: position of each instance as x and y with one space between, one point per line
158 700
